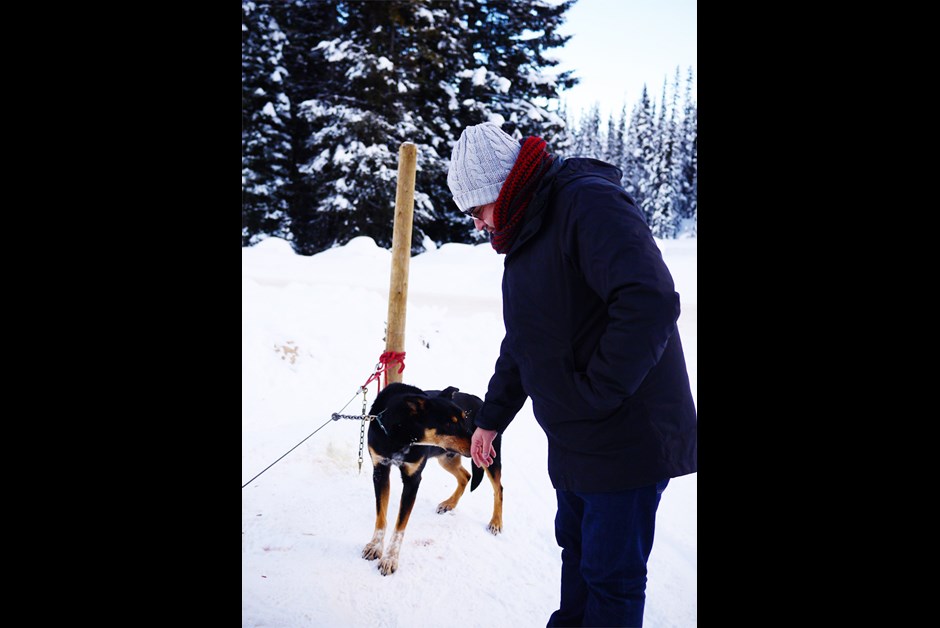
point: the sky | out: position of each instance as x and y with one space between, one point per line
312 330
618 45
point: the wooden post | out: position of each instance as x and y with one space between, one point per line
401 255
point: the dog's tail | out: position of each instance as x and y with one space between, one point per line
476 476
476 473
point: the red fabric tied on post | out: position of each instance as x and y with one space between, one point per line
386 359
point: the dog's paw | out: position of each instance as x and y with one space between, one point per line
372 551
445 507
388 565
494 528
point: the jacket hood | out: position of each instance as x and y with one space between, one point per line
579 167
561 173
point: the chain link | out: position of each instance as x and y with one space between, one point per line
362 428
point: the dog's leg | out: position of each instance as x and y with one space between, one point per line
494 472
380 482
451 462
410 479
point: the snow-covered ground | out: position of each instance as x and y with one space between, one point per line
312 330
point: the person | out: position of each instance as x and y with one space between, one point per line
590 312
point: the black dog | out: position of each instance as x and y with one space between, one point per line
413 426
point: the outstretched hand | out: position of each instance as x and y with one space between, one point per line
481 447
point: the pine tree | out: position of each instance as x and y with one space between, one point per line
351 173
658 159
383 70
265 118
504 78
437 116
660 205
306 24
687 165
564 140
639 150
616 130
693 206
589 142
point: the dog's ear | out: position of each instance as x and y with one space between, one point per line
389 395
415 404
449 392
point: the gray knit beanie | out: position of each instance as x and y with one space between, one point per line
479 164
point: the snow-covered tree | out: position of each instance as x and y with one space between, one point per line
388 64
588 136
506 75
639 150
686 172
657 153
660 204
564 140
306 24
616 136
266 113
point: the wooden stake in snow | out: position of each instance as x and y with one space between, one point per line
401 255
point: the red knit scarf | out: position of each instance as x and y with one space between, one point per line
524 178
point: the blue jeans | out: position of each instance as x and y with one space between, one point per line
606 540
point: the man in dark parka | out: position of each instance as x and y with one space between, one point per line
590 311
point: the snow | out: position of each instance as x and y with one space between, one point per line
423 14
268 110
496 118
312 330
335 51
502 84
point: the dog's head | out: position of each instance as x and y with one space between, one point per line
410 414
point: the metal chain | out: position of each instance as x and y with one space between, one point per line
362 428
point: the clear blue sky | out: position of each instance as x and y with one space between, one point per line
618 45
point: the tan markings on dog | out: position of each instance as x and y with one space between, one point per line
410 468
381 504
381 507
376 458
404 510
496 523
373 548
454 419
463 478
402 523
460 444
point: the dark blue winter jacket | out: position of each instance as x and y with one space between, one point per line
590 311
